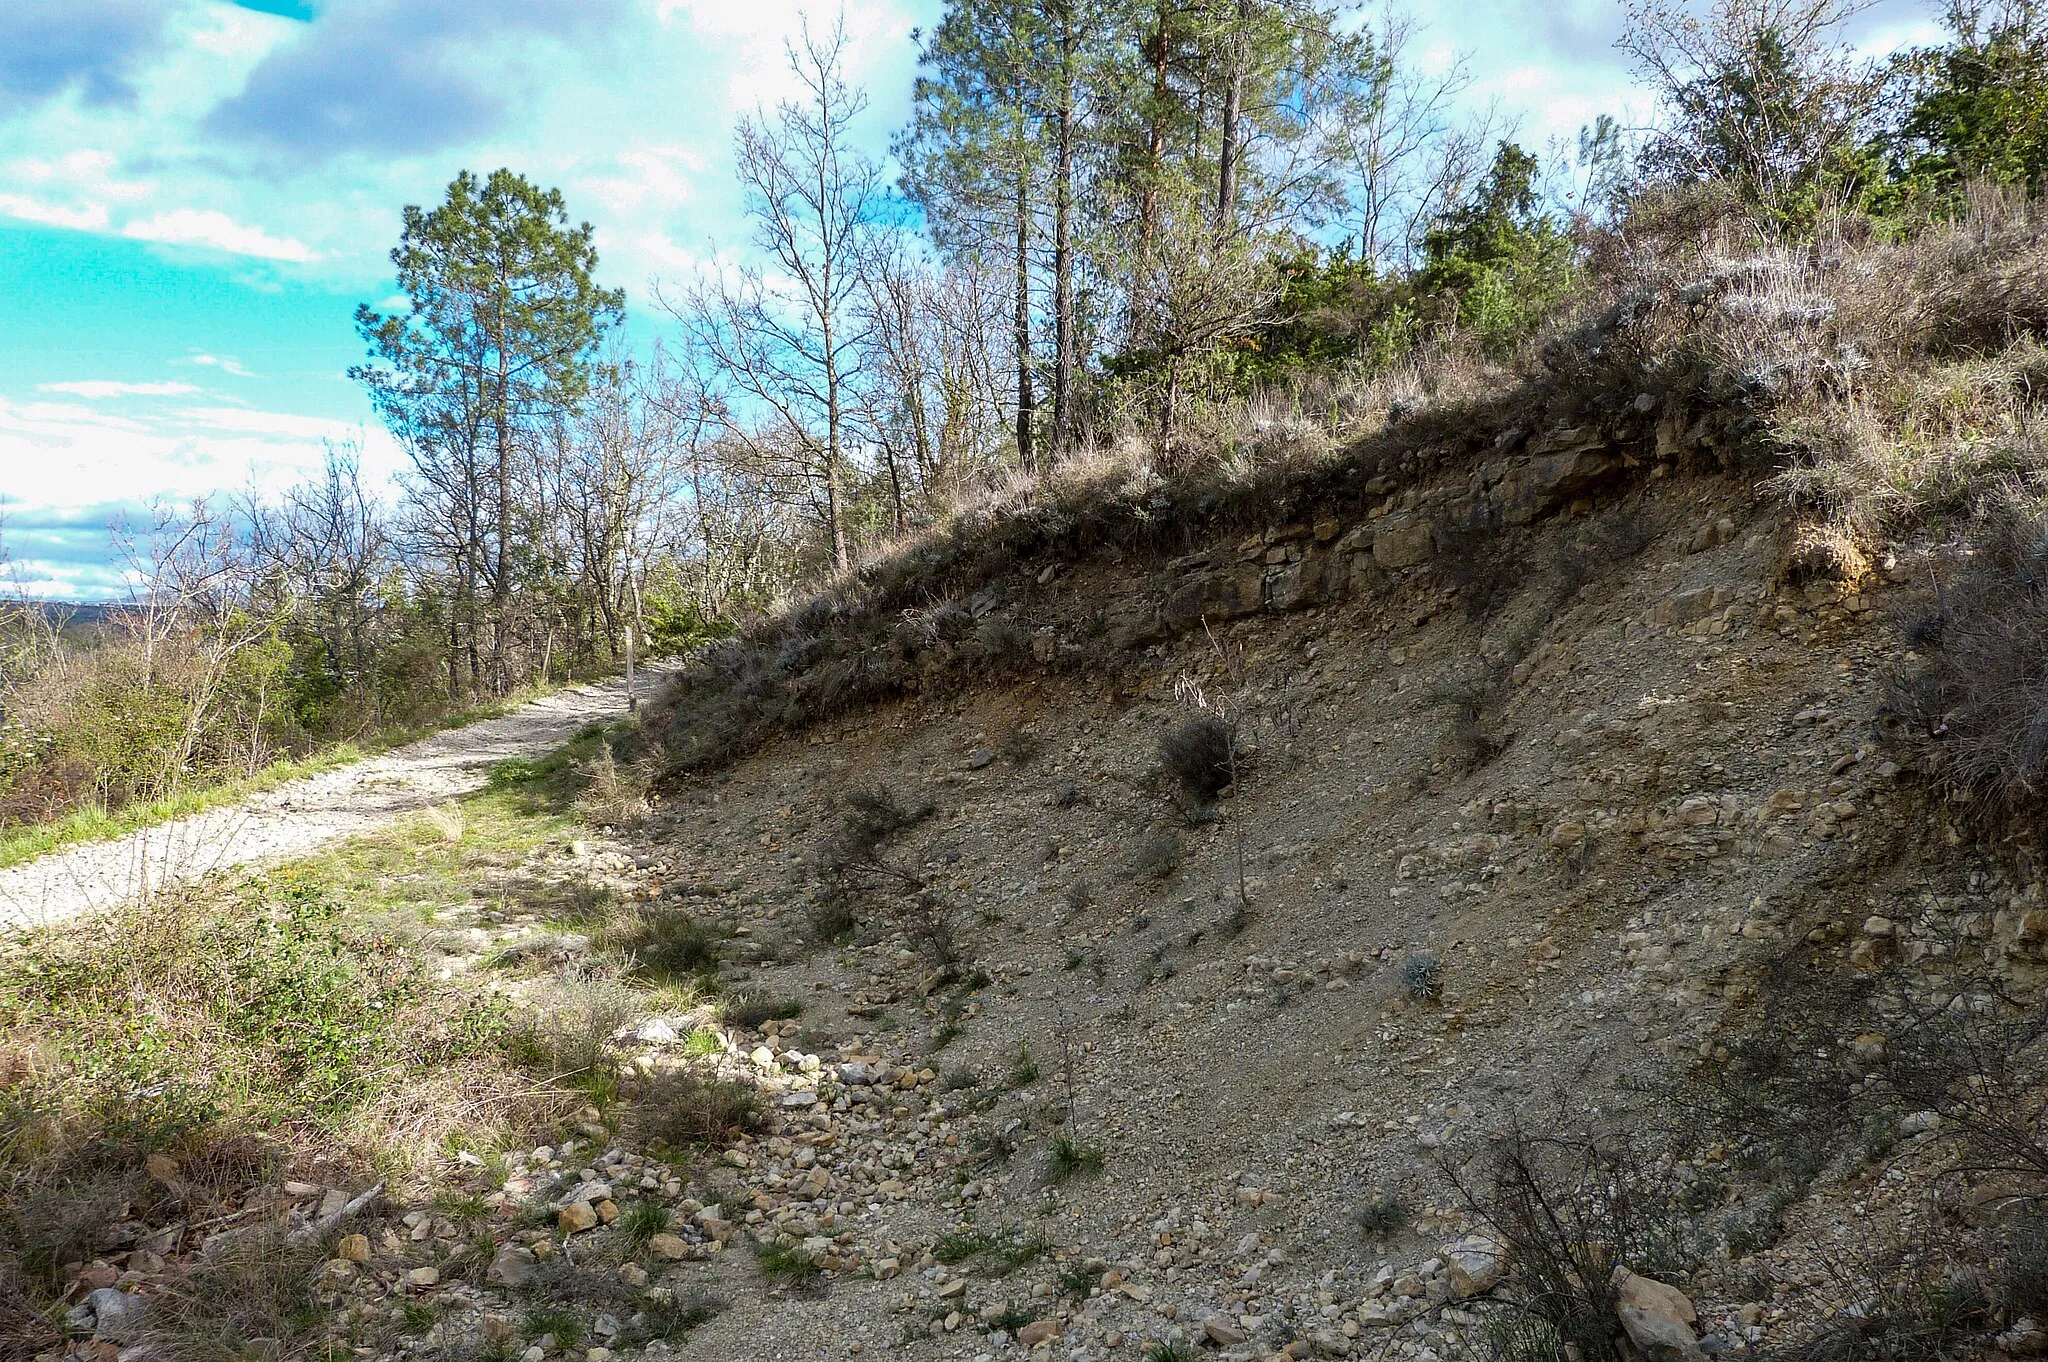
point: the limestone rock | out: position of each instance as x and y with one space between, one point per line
1532 490
1403 541
577 1217
1658 1318
511 1266
1041 1331
1219 1330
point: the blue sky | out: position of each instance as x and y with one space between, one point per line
195 194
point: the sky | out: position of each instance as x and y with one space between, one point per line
196 194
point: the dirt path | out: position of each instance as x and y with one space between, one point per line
296 818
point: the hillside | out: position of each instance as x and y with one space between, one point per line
1538 864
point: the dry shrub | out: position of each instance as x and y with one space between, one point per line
1977 703
1200 755
257 1286
612 797
569 1024
1569 1212
680 1108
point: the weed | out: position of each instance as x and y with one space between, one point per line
1422 974
640 1222
564 1326
1382 1214
1080 897
749 1010
945 1035
1023 1069
259 1286
569 1025
669 1319
1171 1352
1078 1279
957 1246
702 1044
833 919
418 1317
1011 1319
787 1264
1071 1159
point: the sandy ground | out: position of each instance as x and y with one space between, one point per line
296 818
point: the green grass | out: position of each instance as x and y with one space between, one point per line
1070 1159
787 1265
94 824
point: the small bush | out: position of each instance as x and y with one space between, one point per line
1200 755
1422 974
1023 1069
1381 1214
680 1108
670 945
1157 857
2023 1275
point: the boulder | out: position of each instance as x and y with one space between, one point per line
511 1266
1658 1318
1040 1331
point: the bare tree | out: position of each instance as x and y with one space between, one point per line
189 580
1763 94
786 337
1410 156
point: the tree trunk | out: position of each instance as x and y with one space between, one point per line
833 510
1155 165
633 640
1027 402
1233 103
501 588
1063 244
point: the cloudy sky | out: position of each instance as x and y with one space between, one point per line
195 194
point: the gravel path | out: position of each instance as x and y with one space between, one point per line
296 818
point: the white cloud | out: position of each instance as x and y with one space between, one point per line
214 229
227 364
66 455
98 389
281 424
86 217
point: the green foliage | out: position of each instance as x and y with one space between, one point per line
261 1003
1498 258
1974 108
674 624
